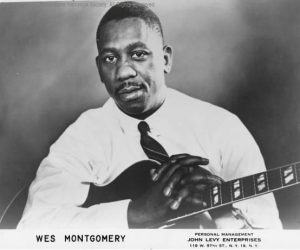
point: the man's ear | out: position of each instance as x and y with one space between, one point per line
97 59
168 58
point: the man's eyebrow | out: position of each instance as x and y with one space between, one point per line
107 50
129 47
134 45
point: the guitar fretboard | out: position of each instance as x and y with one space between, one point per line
253 185
248 187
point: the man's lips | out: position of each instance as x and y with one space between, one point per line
131 93
129 89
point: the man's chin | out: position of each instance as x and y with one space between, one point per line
133 108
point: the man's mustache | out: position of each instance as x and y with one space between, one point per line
128 85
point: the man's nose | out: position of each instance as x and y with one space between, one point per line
125 71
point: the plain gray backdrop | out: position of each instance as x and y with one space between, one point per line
243 55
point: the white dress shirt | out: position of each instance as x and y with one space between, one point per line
103 142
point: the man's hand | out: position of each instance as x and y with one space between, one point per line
179 180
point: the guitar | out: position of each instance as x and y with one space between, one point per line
135 180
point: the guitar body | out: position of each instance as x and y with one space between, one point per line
130 184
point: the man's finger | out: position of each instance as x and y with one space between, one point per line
177 178
201 179
174 158
193 160
200 188
169 168
158 172
197 200
182 195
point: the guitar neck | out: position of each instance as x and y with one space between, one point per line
253 185
249 187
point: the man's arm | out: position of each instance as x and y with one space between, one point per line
61 186
55 199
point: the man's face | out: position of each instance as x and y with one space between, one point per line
132 62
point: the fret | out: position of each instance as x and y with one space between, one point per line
237 189
274 179
288 175
248 186
207 198
216 195
226 192
261 184
297 171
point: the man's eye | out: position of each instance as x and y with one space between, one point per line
139 55
110 59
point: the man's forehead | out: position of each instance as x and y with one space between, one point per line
118 33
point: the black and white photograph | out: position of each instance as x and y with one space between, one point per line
129 115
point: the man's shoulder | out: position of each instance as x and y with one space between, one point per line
98 116
196 107
95 119
90 126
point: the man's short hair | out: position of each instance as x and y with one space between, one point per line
131 9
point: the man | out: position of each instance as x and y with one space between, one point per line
192 145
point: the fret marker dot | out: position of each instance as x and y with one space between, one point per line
236 189
288 175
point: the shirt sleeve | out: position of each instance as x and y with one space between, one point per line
239 157
54 202
62 183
